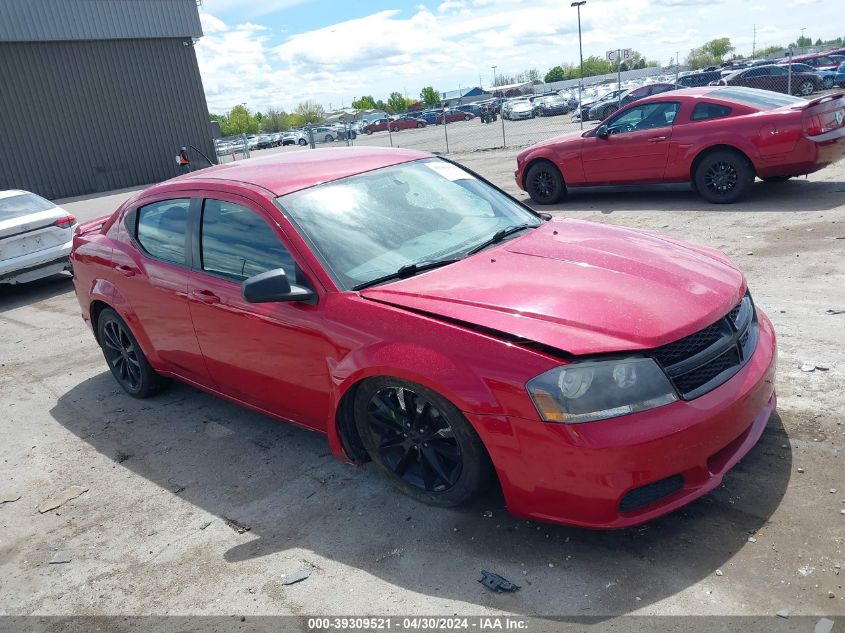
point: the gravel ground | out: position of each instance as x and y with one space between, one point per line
168 480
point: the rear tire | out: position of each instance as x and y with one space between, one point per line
421 441
302 142
806 88
723 177
544 183
125 357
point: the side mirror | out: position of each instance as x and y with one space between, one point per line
273 286
602 132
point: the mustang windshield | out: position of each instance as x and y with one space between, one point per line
368 226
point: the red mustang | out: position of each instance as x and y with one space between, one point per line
719 138
424 320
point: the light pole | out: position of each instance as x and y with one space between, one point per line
494 79
577 5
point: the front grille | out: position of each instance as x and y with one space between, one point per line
704 360
648 494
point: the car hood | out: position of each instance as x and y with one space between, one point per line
579 287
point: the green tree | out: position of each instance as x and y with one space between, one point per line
364 103
555 73
396 102
309 112
239 120
710 53
803 42
429 96
275 120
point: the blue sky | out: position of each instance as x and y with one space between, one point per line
280 52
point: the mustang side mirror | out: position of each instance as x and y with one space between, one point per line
273 286
602 132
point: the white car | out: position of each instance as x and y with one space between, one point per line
522 109
35 237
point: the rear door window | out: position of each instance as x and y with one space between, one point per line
162 229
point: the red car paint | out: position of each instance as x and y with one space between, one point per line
475 331
779 142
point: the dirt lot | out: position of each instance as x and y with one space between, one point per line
168 478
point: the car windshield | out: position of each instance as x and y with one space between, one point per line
554 101
762 99
17 206
370 225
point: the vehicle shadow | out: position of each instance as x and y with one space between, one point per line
19 295
797 194
282 482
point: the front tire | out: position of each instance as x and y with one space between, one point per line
827 83
302 142
125 357
421 441
544 183
723 177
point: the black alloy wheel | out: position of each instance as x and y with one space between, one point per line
422 441
723 177
121 355
125 358
544 183
415 440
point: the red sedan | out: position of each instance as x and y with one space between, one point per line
718 138
406 123
453 116
427 322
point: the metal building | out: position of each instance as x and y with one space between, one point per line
98 95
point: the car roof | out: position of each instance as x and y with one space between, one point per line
285 173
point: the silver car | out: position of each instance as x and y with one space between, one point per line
35 237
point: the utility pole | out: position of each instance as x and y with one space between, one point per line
754 43
578 5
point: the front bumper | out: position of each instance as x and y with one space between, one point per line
625 471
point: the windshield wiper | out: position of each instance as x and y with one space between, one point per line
408 270
498 236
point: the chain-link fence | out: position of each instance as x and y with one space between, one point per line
520 115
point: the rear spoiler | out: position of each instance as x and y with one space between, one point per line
92 225
818 100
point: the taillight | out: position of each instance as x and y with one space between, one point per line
826 122
65 222
813 125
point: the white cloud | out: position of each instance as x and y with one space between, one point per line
456 41
249 10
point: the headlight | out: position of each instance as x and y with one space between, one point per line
585 392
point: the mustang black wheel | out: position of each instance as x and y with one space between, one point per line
723 177
126 361
421 440
544 183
